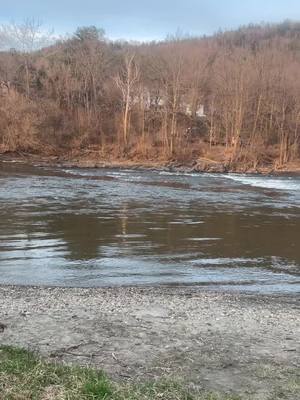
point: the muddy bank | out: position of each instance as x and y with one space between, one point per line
199 165
234 343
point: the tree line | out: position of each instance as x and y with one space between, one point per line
233 97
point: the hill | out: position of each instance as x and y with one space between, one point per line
231 98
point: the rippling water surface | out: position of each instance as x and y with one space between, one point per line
107 227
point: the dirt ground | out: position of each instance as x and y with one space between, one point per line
236 343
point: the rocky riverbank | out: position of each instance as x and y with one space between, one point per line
87 160
245 344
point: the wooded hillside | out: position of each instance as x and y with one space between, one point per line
233 97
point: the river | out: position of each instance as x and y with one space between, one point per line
107 227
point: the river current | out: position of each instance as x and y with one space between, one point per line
107 227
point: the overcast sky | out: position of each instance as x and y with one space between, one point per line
148 19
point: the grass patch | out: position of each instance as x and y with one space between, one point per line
24 376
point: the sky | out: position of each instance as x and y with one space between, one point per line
146 20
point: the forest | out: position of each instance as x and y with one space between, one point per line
230 98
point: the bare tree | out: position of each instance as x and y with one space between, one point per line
126 81
25 38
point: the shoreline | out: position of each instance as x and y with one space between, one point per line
188 288
229 342
200 166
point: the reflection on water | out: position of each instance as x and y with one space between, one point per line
111 227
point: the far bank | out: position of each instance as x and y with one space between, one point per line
92 160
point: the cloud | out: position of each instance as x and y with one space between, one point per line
151 18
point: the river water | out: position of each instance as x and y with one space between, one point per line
106 227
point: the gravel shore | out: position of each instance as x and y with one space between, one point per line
247 344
